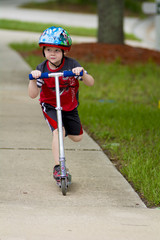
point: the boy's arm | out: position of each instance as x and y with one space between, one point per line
33 90
87 78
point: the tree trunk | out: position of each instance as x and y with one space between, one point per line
110 29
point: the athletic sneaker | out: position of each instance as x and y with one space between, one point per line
56 173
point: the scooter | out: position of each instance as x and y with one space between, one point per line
65 178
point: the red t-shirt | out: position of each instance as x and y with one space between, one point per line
68 86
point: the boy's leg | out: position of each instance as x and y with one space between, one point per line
50 115
74 131
55 146
73 125
55 152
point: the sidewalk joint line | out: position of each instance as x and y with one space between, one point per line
46 149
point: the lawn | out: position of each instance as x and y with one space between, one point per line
40 27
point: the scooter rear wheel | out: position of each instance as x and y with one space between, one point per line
63 186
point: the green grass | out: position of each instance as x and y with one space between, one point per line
78 6
132 7
40 27
135 7
121 113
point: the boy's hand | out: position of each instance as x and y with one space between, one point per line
77 70
36 74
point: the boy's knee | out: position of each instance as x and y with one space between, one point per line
76 138
55 132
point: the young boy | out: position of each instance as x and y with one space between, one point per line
55 42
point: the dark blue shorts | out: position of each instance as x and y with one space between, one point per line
70 119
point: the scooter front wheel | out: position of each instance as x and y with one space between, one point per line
63 186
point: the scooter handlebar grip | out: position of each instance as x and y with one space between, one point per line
30 77
71 74
43 75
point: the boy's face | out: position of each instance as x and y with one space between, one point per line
53 54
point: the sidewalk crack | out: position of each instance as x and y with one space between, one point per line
46 149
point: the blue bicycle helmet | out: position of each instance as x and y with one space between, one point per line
55 37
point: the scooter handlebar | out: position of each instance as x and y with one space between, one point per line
64 74
71 74
43 75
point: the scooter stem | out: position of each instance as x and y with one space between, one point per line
60 128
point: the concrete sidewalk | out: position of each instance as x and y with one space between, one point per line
100 204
